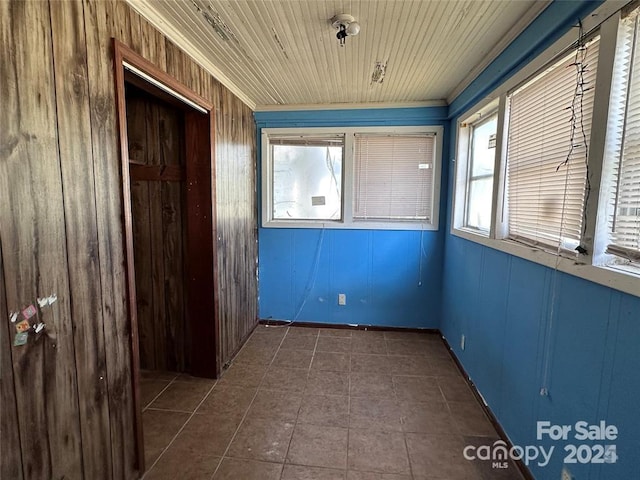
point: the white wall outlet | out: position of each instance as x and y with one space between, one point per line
342 299
462 342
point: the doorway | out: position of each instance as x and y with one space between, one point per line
168 178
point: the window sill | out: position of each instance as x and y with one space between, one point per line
613 277
355 225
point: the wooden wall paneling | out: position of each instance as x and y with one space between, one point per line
156 252
122 21
33 243
153 45
137 133
200 258
173 193
100 16
74 137
10 451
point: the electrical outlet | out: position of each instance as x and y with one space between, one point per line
342 299
462 342
565 474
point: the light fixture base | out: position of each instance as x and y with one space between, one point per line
342 19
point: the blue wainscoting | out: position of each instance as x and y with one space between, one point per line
528 327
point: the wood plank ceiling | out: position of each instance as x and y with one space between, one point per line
286 53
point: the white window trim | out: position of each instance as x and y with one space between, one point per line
624 279
347 221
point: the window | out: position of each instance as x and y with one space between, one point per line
549 126
393 177
547 166
307 177
621 180
367 177
475 165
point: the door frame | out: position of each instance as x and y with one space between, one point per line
201 251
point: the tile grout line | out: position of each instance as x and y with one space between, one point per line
224 454
181 429
160 393
295 423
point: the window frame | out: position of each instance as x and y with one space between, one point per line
347 221
605 19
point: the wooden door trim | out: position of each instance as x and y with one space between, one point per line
122 54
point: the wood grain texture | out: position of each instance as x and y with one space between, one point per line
75 147
10 452
33 243
62 231
100 26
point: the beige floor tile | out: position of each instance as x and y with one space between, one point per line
327 383
287 379
335 332
228 401
185 465
243 375
241 469
369 344
298 472
160 427
327 410
262 439
275 404
150 388
417 389
302 332
427 417
256 355
456 389
333 344
318 446
444 366
299 342
370 384
410 365
383 452
331 361
470 419
367 363
406 347
183 396
440 456
293 359
354 475
206 434
375 413
412 336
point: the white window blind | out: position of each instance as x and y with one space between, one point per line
624 220
545 204
393 177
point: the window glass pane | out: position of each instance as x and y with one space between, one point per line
479 206
307 182
483 147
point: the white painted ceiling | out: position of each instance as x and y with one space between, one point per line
272 53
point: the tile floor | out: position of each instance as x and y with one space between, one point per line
319 404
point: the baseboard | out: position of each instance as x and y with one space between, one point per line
494 421
349 326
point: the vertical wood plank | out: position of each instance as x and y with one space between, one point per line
100 26
33 243
75 147
10 450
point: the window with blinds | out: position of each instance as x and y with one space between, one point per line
546 203
393 177
624 156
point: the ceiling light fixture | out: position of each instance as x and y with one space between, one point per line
346 25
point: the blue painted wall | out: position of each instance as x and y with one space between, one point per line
518 316
391 278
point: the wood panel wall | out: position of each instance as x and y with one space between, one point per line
156 139
67 397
